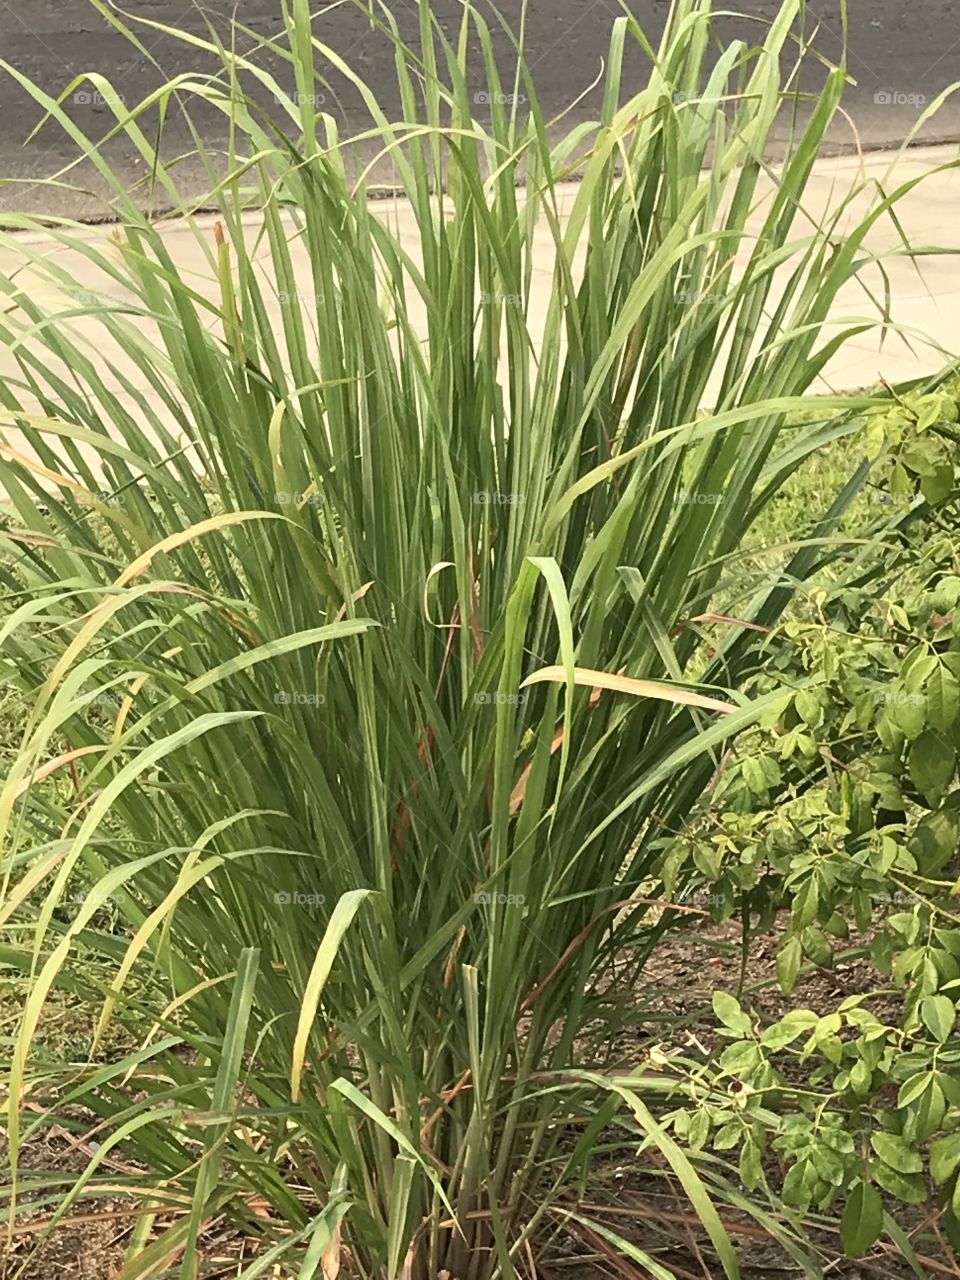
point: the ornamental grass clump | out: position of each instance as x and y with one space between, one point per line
353 617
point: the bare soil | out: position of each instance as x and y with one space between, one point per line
632 1200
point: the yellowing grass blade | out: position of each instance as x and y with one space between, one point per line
339 923
182 536
626 684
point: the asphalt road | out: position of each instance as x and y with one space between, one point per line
901 55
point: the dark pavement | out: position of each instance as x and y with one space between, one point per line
901 55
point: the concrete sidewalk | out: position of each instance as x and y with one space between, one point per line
923 295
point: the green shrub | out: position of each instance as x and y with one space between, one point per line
838 819
396 618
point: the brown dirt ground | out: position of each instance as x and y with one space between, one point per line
643 1207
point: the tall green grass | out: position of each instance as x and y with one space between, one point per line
364 694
